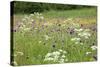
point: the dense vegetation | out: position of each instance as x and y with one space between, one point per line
31 7
45 33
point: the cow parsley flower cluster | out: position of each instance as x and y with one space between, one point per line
94 47
81 34
39 15
47 37
76 40
84 34
28 21
56 56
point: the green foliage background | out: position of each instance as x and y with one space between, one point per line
31 7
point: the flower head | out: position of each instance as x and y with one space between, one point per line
87 53
94 47
47 37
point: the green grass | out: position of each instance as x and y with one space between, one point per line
34 52
71 13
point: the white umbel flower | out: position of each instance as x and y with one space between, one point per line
20 53
87 53
63 56
15 63
78 30
56 53
75 39
93 47
61 61
60 50
40 41
46 37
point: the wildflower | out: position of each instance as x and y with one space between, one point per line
87 53
81 43
15 63
63 56
61 61
20 53
37 17
59 25
52 56
86 35
78 30
75 39
56 56
40 13
71 31
81 25
64 52
23 19
37 14
32 20
26 29
42 17
94 47
60 50
36 28
31 14
26 17
23 26
46 37
82 33
76 42
66 60
87 30
15 55
56 53
48 55
69 19
40 41
46 59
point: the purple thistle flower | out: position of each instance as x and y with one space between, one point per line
71 31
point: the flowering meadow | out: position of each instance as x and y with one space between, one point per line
54 37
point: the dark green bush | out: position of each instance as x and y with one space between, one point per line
31 7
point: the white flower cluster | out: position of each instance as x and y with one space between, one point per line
94 47
76 40
15 55
57 56
28 20
47 37
18 54
14 63
87 53
82 33
79 30
39 15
